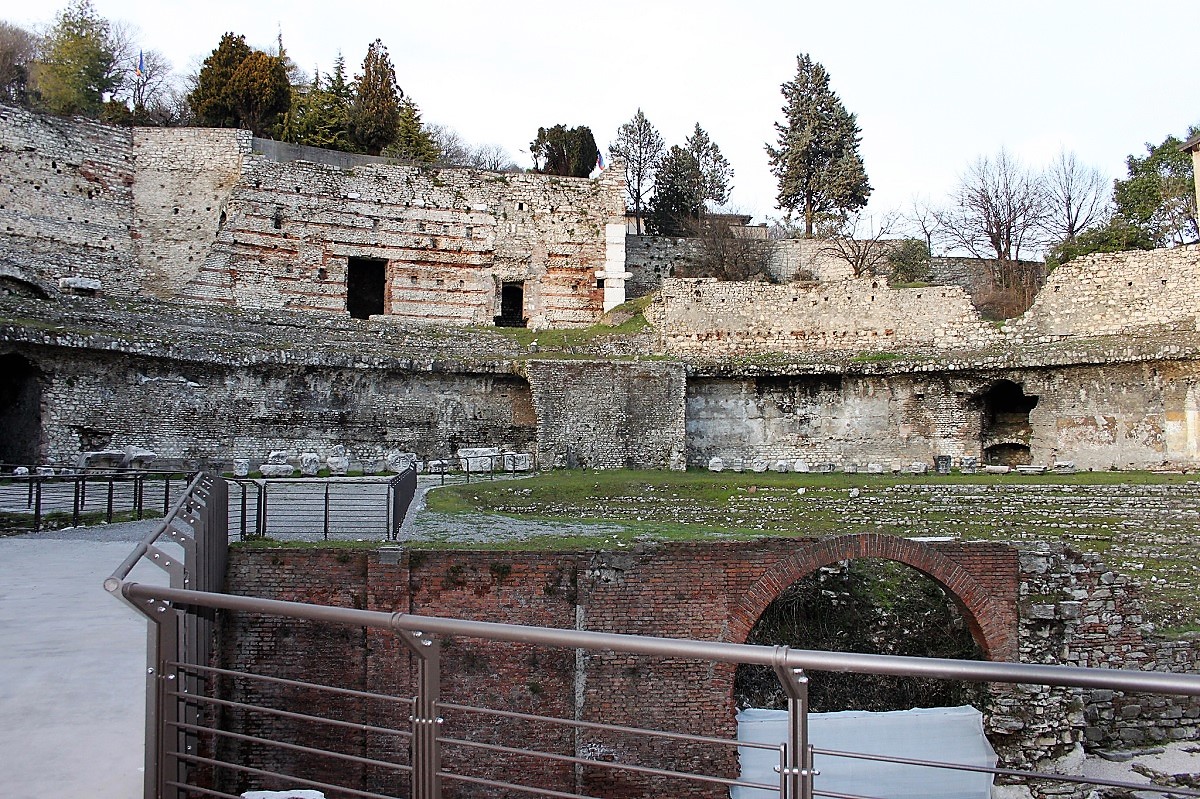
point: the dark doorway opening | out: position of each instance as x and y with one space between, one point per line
512 305
366 279
20 411
1005 429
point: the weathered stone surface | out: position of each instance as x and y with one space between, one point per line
310 464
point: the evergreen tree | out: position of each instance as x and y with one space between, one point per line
640 146
678 195
714 167
1159 195
816 160
212 100
375 111
562 151
260 92
319 116
413 142
79 64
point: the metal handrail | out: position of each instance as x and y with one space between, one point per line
178 673
719 651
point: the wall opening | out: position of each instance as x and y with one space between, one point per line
366 280
20 411
1005 428
512 304
869 605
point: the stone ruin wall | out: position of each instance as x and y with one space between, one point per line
94 401
196 214
1139 415
892 420
183 182
710 318
66 203
1114 294
609 414
450 237
1078 612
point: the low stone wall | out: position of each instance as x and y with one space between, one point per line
710 318
1079 612
1114 294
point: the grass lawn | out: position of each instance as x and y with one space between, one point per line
1143 524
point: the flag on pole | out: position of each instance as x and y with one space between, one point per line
599 160
140 70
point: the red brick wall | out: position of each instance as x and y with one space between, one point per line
711 591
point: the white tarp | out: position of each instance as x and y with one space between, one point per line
943 734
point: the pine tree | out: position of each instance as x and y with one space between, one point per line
260 92
640 146
413 142
562 151
375 112
678 195
211 100
714 167
816 161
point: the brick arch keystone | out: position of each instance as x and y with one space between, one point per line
982 612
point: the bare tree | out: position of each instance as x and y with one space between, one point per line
453 150
640 146
859 242
923 217
1076 197
18 48
493 158
999 209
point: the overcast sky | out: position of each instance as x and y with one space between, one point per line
934 85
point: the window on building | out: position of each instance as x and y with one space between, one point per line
365 283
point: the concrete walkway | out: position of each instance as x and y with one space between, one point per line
72 668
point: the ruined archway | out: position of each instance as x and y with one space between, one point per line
1005 431
865 605
20 410
992 628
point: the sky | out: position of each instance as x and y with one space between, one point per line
934 85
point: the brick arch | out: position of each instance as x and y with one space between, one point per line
984 617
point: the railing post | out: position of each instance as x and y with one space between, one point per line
162 709
796 775
108 508
426 724
37 505
326 521
77 501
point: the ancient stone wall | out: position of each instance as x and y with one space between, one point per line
1115 294
609 414
191 413
1136 415
195 214
450 239
891 420
66 207
183 181
1079 612
709 318
975 275
651 259
807 260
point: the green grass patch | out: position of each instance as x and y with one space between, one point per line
632 314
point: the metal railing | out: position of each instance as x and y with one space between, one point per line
70 497
320 507
192 752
